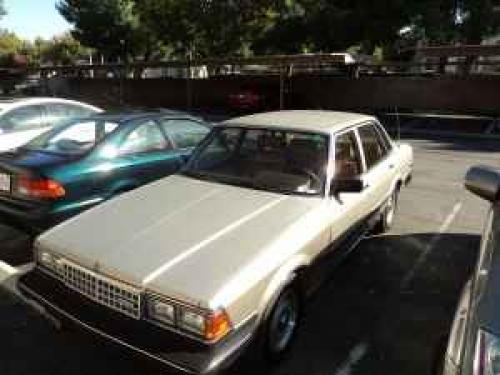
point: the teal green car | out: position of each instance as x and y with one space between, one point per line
86 161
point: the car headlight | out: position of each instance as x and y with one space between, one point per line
161 311
207 325
49 260
487 358
193 322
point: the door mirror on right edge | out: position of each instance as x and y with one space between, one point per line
484 181
350 185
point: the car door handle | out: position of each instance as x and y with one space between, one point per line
391 166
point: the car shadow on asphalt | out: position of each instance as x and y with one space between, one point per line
15 246
364 304
361 304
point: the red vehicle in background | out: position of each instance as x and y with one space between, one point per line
247 99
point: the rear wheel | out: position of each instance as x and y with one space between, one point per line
282 324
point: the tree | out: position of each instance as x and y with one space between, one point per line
477 20
61 50
151 29
290 29
112 27
10 43
448 21
205 27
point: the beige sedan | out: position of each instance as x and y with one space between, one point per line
187 270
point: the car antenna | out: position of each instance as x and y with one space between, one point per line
398 123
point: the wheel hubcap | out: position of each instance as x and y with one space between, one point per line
283 323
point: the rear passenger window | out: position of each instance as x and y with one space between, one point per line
383 137
146 137
347 159
372 145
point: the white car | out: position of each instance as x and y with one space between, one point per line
187 270
22 119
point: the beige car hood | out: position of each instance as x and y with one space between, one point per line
179 236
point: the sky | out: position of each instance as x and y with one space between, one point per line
32 18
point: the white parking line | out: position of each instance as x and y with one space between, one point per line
355 355
9 275
7 270
8 281
431 245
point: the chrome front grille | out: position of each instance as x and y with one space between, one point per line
110 293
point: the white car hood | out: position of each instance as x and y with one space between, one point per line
179 236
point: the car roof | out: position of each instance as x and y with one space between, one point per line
302 120
131 114
6 103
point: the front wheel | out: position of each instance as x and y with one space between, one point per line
282 324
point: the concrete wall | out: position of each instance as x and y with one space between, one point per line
479 94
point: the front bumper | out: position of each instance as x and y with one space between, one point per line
173 349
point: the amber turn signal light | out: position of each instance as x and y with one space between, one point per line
217 325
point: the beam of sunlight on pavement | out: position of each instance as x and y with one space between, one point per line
355 355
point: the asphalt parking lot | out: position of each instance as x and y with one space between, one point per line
384 310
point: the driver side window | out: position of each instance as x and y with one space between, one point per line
347 156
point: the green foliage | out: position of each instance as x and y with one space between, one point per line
202 28
480 18
11 46
206 27
110 26
448 21
10 43
62 50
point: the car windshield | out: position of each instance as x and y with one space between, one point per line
74 138
274 160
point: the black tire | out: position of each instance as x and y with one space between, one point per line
281 325
388 213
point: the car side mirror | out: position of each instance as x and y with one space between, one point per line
484 181
346 185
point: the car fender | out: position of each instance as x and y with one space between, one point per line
281 278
